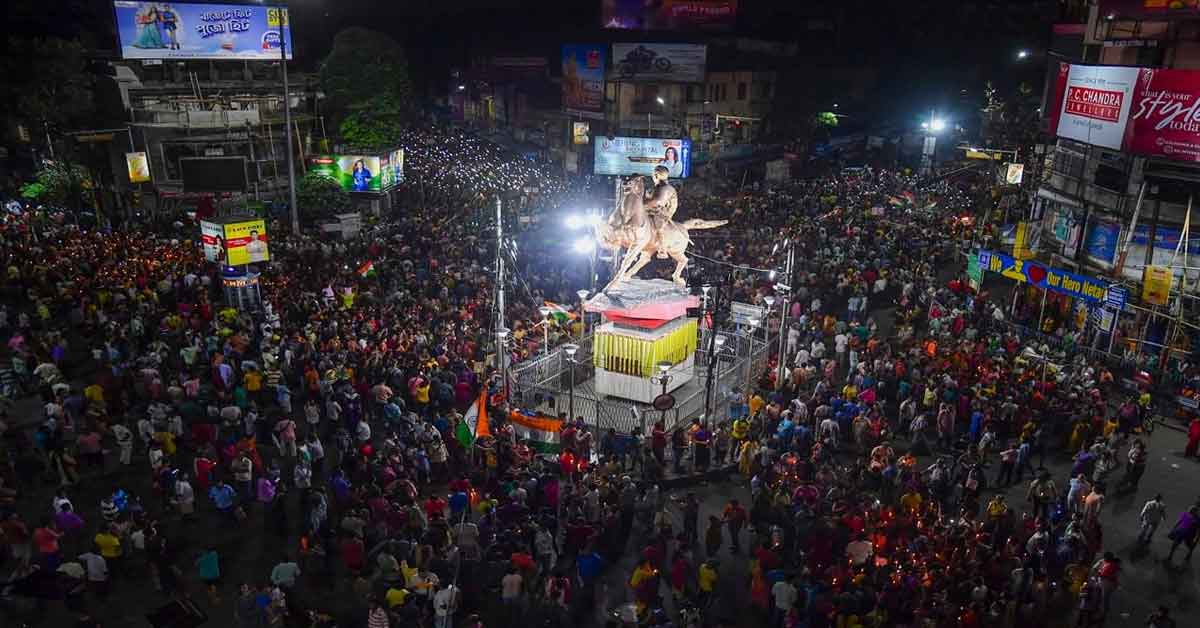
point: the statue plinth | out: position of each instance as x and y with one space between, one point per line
646 324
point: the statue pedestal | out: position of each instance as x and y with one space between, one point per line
646 323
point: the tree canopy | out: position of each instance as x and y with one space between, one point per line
46 83
366 84
318 196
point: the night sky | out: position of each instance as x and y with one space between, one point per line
925 52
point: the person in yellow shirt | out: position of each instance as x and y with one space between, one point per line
756 404
395 597
253 381
109 545
910 503
707 581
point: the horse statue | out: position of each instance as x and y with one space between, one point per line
632 228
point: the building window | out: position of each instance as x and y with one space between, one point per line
741 91
724 92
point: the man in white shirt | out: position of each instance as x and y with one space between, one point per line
1153 513
445 602
784 595
97 572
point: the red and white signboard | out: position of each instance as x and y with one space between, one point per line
1095 104
1165 119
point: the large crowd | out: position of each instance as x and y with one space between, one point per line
321 442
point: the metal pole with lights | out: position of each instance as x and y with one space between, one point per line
753 324
934 126
583 295
570 349
287 122
545 312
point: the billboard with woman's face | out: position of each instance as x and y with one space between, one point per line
190 30
639 155
354 173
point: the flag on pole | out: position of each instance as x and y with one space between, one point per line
539 431
559 313
367 270
475 423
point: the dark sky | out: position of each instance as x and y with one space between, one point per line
924 50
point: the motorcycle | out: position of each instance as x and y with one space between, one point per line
642 59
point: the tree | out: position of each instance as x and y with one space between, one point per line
373 124
61 185
363 67
319 196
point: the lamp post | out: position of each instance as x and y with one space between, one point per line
502 359
754 322
570 350
287 123
663 378
545 312
934 126
783 291
583 295
718 343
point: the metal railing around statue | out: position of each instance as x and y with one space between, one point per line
544 384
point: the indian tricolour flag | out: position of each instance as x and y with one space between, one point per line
475 422
539 431
367 270
559 313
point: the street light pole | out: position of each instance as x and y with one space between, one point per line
753 324
287 123
570 350
545 312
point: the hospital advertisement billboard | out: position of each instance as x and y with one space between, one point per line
640 155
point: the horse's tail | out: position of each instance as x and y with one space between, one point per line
700 223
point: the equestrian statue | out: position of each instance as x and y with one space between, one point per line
642 225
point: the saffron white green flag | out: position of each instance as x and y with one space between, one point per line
540 432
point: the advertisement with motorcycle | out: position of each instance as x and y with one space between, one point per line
679 63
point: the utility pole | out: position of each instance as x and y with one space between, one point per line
287 123
783 310
501 330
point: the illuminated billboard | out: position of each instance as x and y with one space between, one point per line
362 173
235 243
639 155
186 30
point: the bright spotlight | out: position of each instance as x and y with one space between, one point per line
584 246
574 221
937 124
1021 54
660 100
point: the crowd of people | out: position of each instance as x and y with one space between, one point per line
323 449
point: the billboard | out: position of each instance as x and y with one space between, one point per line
583 79
1095 104
213 174
235 243
137 166
1150 9
186 30
703 15
679 63
579 132
362 173
637 155
1164 121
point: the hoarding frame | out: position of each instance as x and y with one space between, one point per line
642 151
231 31
659 62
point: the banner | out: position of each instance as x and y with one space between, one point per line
185 30
1165 238
705 15
137 166
678 63
635 155
212 241
1156 285
246 242
1102 241
1015 174
1095 104
579 132
1053 279
1021 241
583 79
1150 9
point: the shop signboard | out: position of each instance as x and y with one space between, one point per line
1150 9
657 63
1095 104
583 67
189 30
1116 297
1156 285
679 15
1101 241
638 155
1015 174
1054 279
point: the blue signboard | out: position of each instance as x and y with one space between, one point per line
1166 238
1116 297
186 30
1101 241
1054 279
